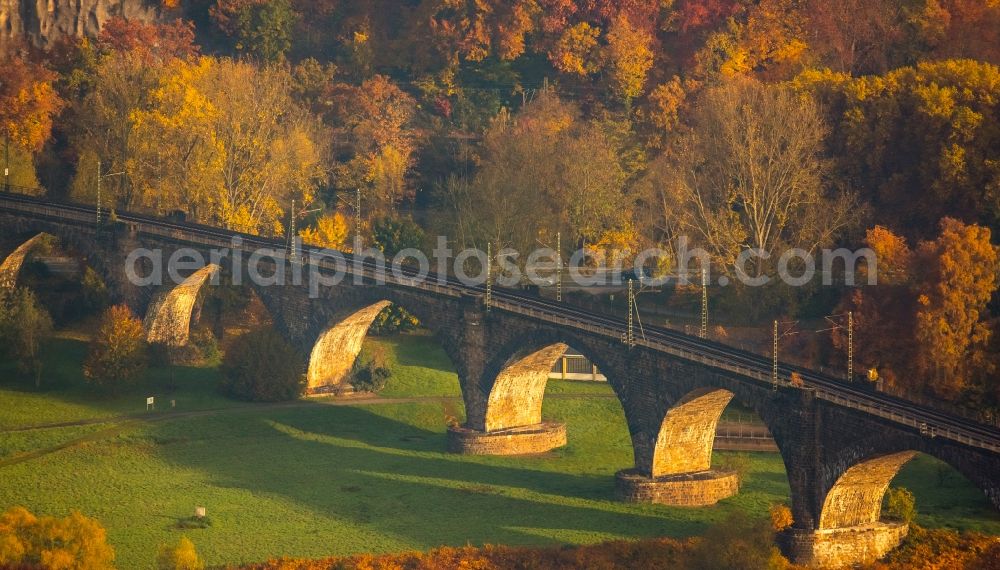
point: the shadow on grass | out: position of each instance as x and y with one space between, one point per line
65 395
367 469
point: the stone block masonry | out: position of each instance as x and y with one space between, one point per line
686 490
523 440
843 547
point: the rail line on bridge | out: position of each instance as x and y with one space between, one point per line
749 366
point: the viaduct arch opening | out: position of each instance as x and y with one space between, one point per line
168 318
515 399
507 416
674 464
335 351
853 526
11 266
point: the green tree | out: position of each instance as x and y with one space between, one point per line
93 291
393 235
264 29
261 366
900 505
21 168
25 326
117 355
392 320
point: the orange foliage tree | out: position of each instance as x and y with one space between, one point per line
28 103
925 325
376 117
952 335
118 352
73 542
159 42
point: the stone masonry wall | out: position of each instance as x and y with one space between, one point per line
523 440
840 548
688 490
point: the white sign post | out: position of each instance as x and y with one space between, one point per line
150 403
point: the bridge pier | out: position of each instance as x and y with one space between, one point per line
504 409
519 440
700 489
842 547
673 453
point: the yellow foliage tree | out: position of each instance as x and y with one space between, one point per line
574 52
182 556
630 58
224 141
921 141
75 542
616 245
951 332
330 232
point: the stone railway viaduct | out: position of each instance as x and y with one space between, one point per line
840 448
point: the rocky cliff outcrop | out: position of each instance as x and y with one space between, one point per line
40 22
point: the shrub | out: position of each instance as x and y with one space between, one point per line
261 366
181 556
736 542
370 372
900 505
206 344
194 522
943 549
75 541
93 292
117 355
781 517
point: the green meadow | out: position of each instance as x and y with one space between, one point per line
320 477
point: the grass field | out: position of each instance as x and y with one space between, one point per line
319 479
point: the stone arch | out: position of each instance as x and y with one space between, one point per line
856 497
504 399
515 399
334 353
168 319
684 442
11 266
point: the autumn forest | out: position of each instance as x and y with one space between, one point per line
617 125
